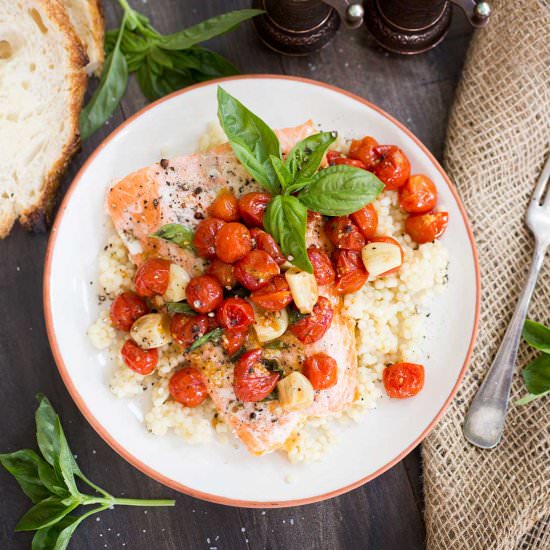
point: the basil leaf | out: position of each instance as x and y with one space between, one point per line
530 397
306 156
252 140
206 30
180 307
64 463
175 233
46 538
51 480
294 315
237 355
537 335
536 375
45 513
285 219
212 336
24 466
110 90
160 57
283 174
340 190
208 64
272 365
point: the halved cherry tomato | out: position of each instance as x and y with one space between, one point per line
142 361
205 237
418 195
390 240
403 380
393 167
425 228
321 370
225 273
343 233
204 293
233 242
225 207
152 277
366 220
187 387
349 162
185 329
264 241
350 270
332 156
312 327
322 266
252 208
274 296
127 308
252 380
233 340
235 313
256 269
363 150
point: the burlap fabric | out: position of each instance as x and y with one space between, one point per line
497 141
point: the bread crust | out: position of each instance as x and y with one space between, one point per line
98 31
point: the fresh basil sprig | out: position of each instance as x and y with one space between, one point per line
175 233
50 481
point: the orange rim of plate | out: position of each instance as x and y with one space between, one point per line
144 467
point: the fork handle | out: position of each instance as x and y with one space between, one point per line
484 421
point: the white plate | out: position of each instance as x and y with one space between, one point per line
221 472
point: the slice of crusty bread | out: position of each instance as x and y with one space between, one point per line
42 85
87 20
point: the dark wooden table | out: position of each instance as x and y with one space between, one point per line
382 515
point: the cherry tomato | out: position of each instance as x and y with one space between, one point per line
235 313
264 241
205 237
418 195
425 228
403 380
225 273
321 370
332 156
142 361
363 150
391 241
233 340
393 167
351 271
225 207
204 293
312 327
187 387
322 266
127 308
152 277
349 162
256 269
233 242
185 329
252 207
252 380
343 233
274 296
366 220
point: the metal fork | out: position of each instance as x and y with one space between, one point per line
484 421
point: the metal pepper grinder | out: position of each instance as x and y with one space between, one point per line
300 27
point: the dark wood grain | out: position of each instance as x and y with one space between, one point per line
386 514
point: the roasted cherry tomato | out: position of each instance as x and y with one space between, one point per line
349 162
403 380
350 270
264 241
205 237
225 273
343 233
322 266
252 207
225 207
235 313
332 156
127 308
312 327
393 167
233 242
321 370
366 220
390 240
185 329
187 387
418 195
233 340
274 296
252 380
363 150
152 277
425 228
256 269
142 361
204 293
